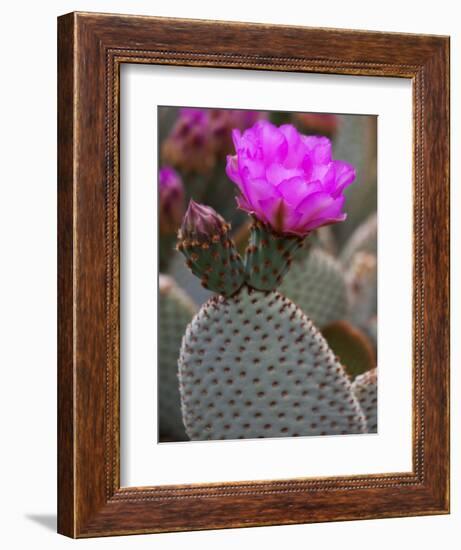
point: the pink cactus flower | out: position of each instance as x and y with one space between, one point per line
171 200
287 180
188 146
201 136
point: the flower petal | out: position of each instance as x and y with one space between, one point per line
232 171
319 147
344 175
279 215
236 138
313 205
273 144
277 173
329 213
297 150
294 190
243 204
256 189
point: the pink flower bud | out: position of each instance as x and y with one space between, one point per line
201 223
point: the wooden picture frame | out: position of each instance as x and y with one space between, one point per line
92 48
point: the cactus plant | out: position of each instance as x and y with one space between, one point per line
356 141
253 365
325 239
363 239
186 280
362 285
316 283
269 256
365 388
351 346
175 312
211 254
171 211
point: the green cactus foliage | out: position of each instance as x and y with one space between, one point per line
253 365
316 283
356 143
365 388
175 312
363 239
324 238
215 261
362 285
186 280
351 346
268 256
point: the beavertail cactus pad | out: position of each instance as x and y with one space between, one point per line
253 365
175 312
365 388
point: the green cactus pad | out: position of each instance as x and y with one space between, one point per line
316 283
356 144
268 256
253 365
186 280
362 285
175 312
365 388
351 346
212 257
363 239
324 238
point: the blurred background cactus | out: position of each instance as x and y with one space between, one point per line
309 366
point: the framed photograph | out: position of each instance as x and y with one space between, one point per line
253 275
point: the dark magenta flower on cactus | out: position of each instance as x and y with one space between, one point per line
188 146
287 180
223 121
171 200
201 136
